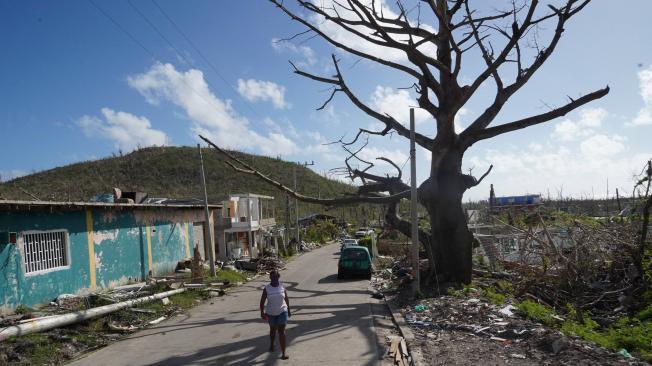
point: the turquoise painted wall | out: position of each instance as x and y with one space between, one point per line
16 287
166 251
120 250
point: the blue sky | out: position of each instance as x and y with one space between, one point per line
75 87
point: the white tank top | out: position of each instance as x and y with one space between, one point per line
275 300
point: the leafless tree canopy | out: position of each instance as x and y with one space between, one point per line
448 49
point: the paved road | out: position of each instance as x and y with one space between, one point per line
332 323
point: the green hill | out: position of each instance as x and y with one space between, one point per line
171 172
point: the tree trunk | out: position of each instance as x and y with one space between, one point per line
451 241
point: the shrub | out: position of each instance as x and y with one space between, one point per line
321 231
366 242
537 312
494 297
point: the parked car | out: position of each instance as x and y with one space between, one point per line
354 261
347 243
363 231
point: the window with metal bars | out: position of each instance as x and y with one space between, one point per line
45 250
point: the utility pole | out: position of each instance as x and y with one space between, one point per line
414 249
286 238
296 202
211 247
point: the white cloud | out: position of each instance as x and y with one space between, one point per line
372 153
209 115
602 146
314 135
577 170
590 120
323 152
458 119
256 90
126 130
308 53
644 116
272 125
397 103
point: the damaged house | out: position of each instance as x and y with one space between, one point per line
247 226
51 248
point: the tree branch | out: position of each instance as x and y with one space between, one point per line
474 137
342 46
248 169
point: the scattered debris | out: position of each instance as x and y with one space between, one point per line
157 320
265 265
507 310
398 351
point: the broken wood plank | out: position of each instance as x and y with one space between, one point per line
403 348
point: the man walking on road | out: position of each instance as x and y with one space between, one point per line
277 310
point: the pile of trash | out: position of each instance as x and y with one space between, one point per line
267 264
472 315
389 279
474 323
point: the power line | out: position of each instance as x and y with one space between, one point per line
122 29
179 53
201 54
125 31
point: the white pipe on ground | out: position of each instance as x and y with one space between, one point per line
78 316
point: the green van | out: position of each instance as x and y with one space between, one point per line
354 260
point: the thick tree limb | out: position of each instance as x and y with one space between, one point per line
248 169
474 137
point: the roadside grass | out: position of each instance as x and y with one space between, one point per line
229 275
36 349
631 333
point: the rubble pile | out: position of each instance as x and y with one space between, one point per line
498 332
267 264
394 274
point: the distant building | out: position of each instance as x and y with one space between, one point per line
51 248
247 226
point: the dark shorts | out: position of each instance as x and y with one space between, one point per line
281 319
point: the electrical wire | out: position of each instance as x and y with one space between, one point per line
203 57
179 53
149 52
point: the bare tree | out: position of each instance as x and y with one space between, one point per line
435 36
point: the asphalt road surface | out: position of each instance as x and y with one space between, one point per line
332 323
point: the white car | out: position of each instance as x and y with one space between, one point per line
349 243
362 232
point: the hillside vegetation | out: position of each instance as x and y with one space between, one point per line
171 172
